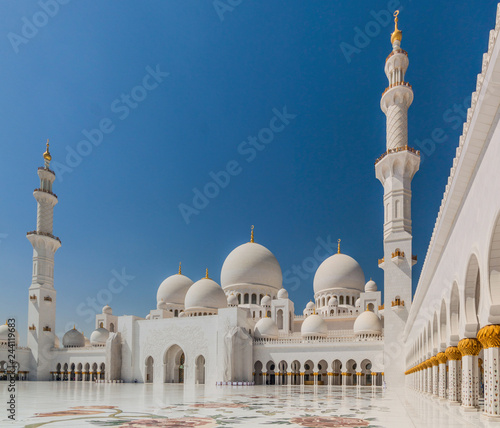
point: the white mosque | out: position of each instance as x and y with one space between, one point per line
443 342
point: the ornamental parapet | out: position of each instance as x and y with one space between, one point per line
36 232
489 336
47 169
394 85
469 346
45 191
396 150
397 51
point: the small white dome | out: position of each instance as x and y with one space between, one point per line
99 337
310 306
282 294
333 302
73 339
205 293
4 335
174 289
358 303
251 263
148 316
232 300
161 305
367 323
266 301
107 310
371 286
314 325
266 328
339 271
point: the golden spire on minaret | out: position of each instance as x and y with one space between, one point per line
251 234
180 273
206 274
398 34
46 155
338 247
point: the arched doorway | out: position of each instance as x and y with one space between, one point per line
174 362
279 318
149 370
257 377
200 369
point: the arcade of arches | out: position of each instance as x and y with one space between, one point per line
320 373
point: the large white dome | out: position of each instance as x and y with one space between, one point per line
173 289
339 271
367 323
314 325
266 328
205 293
99 337
73 339
251 263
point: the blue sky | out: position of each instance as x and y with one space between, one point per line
230 69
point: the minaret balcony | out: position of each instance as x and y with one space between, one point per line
33 297
381 262
47 328
32 327
47 299
396 150
396 51
36 232
398 257
45 191
395 85
46 169
398 305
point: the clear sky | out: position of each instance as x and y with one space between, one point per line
180 89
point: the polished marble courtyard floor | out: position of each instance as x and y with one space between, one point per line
64 404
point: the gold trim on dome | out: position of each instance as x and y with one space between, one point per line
489 336
441 357
469 346
251 234
180 272
453 353
338 246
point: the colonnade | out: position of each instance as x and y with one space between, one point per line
339 379
454 375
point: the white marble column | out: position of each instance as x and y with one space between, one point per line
264 378
441 357
428 370
435 376
489 337
302 377
470 349
453 355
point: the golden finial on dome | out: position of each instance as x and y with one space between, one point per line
180 268
206 274
74 326
251 234
338 247
398 34
46 155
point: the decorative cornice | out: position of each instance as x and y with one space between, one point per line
434 361
489 336
469 347
453 354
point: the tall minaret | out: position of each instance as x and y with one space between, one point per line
395 170
42 295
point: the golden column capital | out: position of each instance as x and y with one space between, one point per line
489 336
441 357
469 346
453 353
434 361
